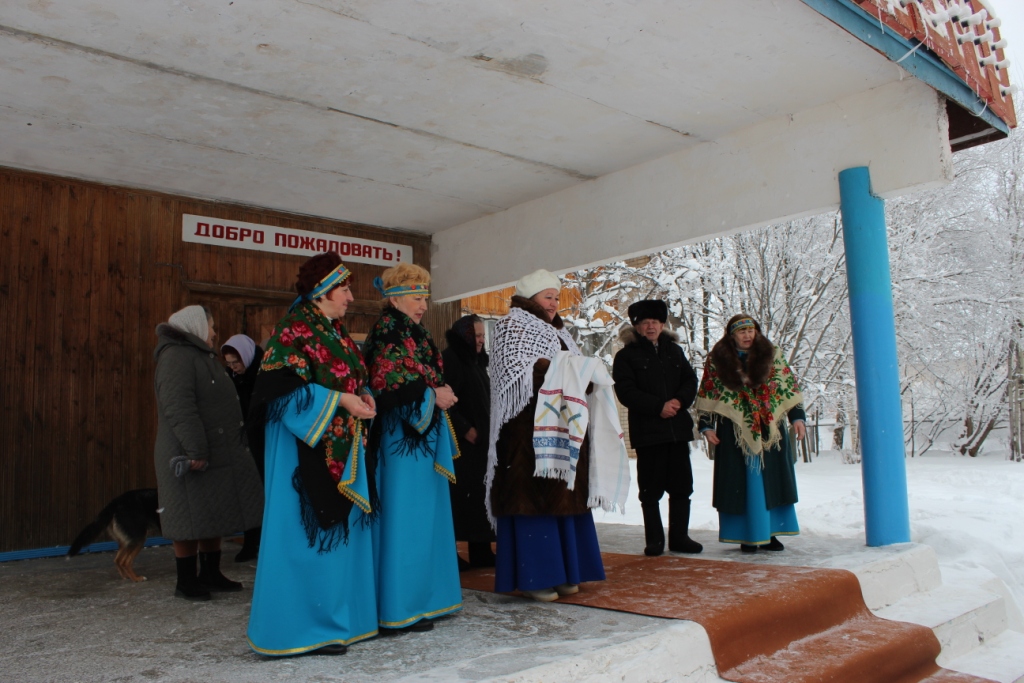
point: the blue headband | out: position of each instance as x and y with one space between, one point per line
400 290
741 324
329 282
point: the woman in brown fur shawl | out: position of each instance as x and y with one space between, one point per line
547 542
746 390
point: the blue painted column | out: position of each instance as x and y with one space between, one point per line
886 511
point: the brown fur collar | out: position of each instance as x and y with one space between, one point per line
726 358
629 335
531 306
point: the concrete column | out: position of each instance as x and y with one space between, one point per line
886 511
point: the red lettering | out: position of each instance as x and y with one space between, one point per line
332 245
321 245
293 241
232 233
243 233
388 256
344 248
376 252
203 229
257 236
307 243
280 240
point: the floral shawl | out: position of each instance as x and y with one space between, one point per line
754 411
309 348
403 362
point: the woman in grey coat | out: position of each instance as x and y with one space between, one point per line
207 480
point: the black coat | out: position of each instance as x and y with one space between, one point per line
465 371
645 379
729 491
247 380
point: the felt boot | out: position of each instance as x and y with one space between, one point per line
188 585
654 532
210 576
679 540
250 545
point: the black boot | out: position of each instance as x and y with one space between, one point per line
679 540
480 554
250 546
210 576
775 544
654 532
188 585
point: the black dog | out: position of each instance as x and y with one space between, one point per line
128 519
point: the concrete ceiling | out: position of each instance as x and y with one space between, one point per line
420 115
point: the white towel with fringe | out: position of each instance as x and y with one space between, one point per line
565 414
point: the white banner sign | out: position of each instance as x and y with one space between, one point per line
240 235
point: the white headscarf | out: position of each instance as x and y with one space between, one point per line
244 346
191 319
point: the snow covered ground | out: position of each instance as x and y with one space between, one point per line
970 510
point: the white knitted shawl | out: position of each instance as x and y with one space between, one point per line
520 340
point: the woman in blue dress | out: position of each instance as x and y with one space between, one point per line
747 388
315 585
417 571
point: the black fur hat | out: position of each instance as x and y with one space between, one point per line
646 309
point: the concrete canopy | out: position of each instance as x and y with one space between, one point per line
519 133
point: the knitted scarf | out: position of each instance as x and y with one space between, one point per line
754 411
520 340
403 362
308 348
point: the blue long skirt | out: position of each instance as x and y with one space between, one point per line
303 600
543 551
758 524
417 568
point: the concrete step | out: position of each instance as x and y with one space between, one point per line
962 618
680 652
999 659
888 575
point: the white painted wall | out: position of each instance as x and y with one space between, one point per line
769 172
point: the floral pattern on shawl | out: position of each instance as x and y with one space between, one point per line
754 411
401 352
320 351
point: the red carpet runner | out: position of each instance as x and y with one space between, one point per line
767 624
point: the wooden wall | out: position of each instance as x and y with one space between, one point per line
86 273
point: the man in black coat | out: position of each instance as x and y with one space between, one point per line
655 382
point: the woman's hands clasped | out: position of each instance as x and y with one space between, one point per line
360 406
444 397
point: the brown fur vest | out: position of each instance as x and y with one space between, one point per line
515 490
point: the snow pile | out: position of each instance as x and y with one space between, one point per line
970 510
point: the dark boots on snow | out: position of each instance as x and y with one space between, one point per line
654 532
210 576
679 540
188 585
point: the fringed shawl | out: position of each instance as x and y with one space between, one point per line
308 348
754 411
404 362
521 338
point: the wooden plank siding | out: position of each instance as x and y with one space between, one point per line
87 273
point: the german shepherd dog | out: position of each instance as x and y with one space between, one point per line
127 519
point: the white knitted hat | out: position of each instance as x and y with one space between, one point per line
537 281
191 319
